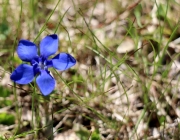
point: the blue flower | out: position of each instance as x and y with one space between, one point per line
28 52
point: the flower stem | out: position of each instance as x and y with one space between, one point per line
49 119
16 107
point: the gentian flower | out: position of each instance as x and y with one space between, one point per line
28 52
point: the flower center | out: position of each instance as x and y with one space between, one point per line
39 64
42 65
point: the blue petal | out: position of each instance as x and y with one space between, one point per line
23 74
45 82
49 63
49 45
63 61
26 50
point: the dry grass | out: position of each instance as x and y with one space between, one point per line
125 84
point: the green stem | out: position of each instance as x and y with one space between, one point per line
49 122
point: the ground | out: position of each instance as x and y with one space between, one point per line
125 84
